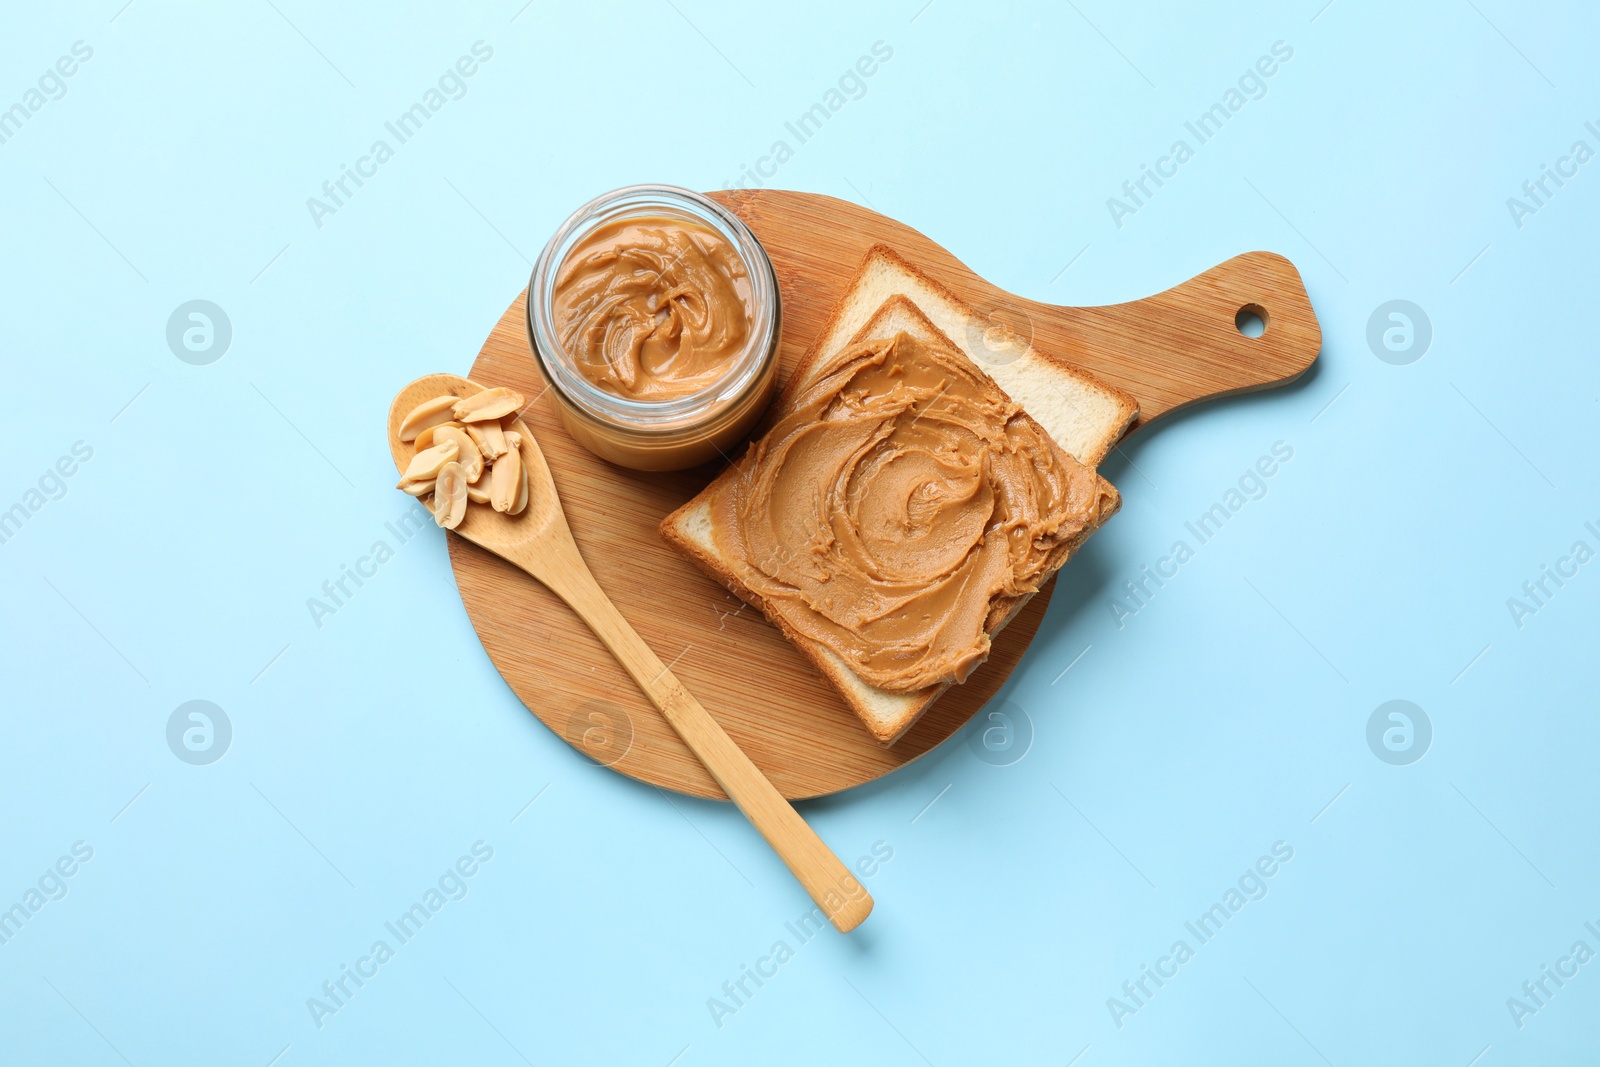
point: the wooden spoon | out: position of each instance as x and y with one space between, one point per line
539 542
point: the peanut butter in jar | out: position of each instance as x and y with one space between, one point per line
653 308
654 316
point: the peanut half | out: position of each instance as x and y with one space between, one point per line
428 413
450 496
489 437
514 442
417 489
425 464
505 480
490 404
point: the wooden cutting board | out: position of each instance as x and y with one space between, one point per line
1169 350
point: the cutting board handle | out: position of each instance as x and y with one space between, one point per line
1186 341
1169 350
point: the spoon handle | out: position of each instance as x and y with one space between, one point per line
840 895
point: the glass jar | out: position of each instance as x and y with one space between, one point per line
682 431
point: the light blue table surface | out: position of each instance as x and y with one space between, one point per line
1426 878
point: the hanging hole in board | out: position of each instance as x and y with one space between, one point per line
1251 320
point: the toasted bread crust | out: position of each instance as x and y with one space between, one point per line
1127 405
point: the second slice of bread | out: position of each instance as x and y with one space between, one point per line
1082 414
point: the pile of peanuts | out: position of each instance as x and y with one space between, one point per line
466 451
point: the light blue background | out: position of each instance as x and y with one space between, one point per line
1228 714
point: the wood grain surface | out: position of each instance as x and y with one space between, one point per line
1169 350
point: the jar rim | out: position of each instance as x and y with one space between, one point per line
652 417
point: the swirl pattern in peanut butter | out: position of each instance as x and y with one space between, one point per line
653 308
900 504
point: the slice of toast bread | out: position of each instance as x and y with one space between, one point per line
889 296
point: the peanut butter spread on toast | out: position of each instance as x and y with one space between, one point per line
895 500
